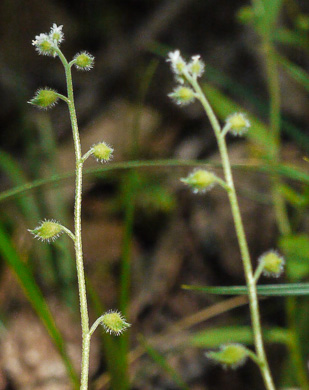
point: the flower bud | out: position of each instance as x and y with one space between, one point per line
44 45
83 61
238 124
45 98
200 180
230 355
48 230
56 34
273 263
196 66
114 323
182 95
102 152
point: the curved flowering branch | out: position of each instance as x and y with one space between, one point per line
237 124
49 230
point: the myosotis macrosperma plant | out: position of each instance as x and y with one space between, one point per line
49 230
270 264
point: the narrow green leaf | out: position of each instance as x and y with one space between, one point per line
292 39
270 290
287 171
33 293
294 197
30 210
55 179
283 170
212 338
11 168
295 71
269 15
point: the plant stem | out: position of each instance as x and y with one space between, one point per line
77 227
258 271
274 115
252 292
278 200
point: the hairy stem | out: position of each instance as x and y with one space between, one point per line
77 228
252 292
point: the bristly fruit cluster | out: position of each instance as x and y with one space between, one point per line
48 230
114 323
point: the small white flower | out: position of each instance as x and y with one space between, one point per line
174 56
196 66
39 38
44 45
177 62
56 34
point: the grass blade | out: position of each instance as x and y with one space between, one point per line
212 338
284 170
31 212
295 71
269 290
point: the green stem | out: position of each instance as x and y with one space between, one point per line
258 271
87 155
274 114
68 232
252 292
77 227
95 325
278 200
